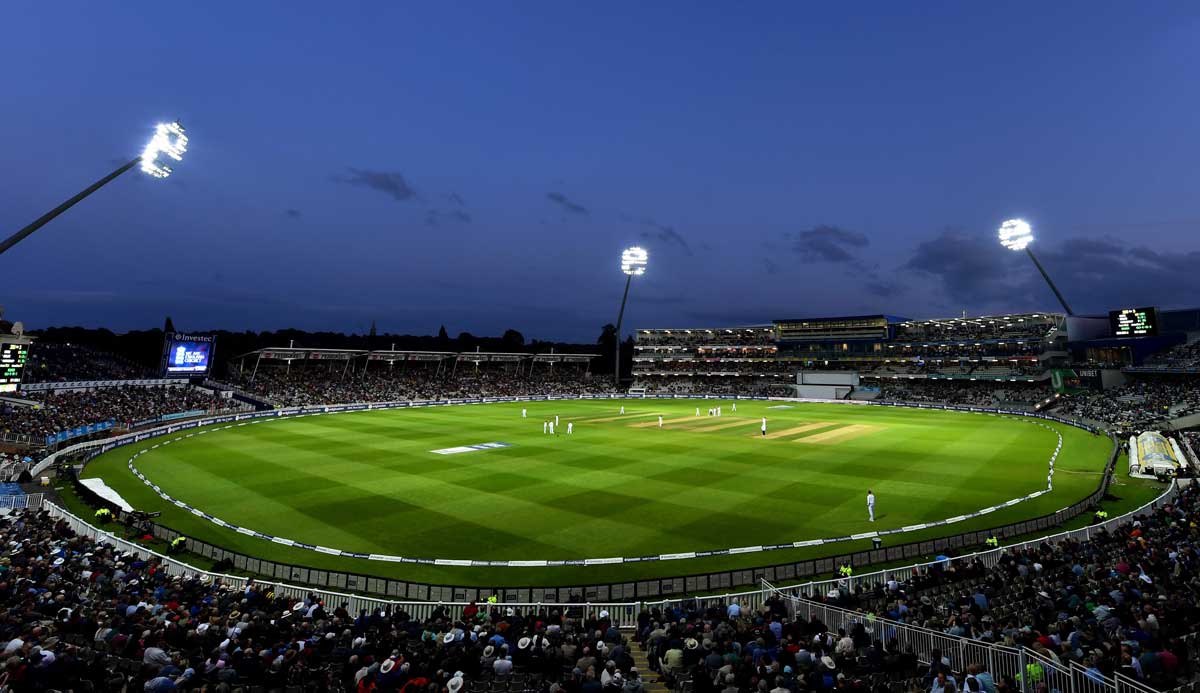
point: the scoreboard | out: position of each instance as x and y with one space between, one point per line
12 364
187 355
1133 322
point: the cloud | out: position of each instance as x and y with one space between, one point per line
562 201
883 288
456 200
970 268
828 244
391 184
435 217
293 213
665 234
1099 274
1094 274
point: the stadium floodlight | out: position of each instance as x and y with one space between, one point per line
633 261
1017 234
170 139
633 264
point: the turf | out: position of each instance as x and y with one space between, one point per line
368 482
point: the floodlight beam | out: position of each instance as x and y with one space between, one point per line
169 139
620 318
1017 234
633 264
1046 276
49 216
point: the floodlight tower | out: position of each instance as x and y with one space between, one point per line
169 139
1016 234
633 264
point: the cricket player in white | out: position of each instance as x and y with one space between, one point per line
764 426
551 428
718 411
735 406
660 421
570 427
622 408
556 419
544 425
871 504
697 411
523 413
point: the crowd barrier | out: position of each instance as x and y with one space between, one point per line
718 581
21 501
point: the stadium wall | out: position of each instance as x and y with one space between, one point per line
826 392
843 378
630 590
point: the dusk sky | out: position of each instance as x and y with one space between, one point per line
481 165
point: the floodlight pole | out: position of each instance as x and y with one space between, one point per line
617 351
49 216
1049 281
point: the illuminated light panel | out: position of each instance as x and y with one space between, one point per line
169 139
1015 234
633 261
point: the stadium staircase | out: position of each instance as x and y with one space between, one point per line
649 678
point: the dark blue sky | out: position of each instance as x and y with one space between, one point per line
481 165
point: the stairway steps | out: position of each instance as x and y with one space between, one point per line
643 665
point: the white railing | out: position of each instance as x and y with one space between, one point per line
1024 666
623 615
21 502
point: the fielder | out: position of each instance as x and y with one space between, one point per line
697 411
523 413
735 406
544 424
622 408
660 421
551 428
764 426
556 419
871 504
570 427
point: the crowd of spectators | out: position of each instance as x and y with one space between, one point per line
739 385
975 393
58 363
1119 602
1033 326
717 336
77 614
51 411
649 366
313 385
1138 405
1182 356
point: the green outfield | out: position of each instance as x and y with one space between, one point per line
619 485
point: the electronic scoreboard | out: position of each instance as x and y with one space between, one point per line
1133 322
187 355
12 364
